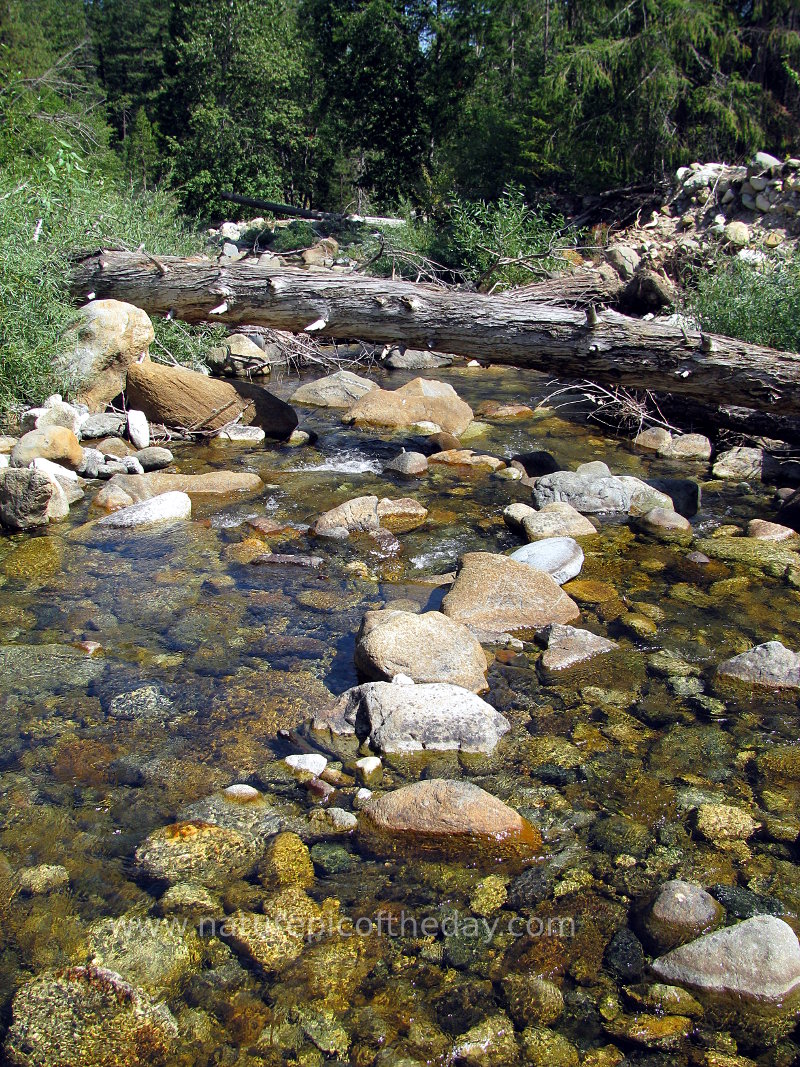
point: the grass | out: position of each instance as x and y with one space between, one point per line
754 302
61 191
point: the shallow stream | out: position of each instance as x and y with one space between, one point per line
204 657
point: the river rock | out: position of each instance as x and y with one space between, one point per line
235 432
654 439
465 457
498 409
56 443
402 716
567 646
665 523
681 912
109 337
138 429
495 594
30 498
43 879
723 823
153 954
741 464
425 647
167 507
263 940
690 446
195 850
490 1043
408 464
46 667
416 359
216 483
54 413
450 817
593 489
368 513
757 960
85 1016
339 390
154 458
561 557
421 400
102 424
762 530
770 664
184 398
554 520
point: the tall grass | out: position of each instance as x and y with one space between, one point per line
754 302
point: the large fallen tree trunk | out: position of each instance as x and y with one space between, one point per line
606 347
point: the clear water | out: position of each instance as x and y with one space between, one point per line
610 763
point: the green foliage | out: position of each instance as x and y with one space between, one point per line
296 235
758 303
505 243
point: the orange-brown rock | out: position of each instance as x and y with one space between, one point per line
184 398
421 400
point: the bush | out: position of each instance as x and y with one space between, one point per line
60 194
754 302
292 238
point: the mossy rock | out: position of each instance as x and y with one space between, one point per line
287 862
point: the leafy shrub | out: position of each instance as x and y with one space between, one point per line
754 302
297 235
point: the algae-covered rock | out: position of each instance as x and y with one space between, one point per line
262 940
490 1043
547 1048
195 851
153 954
681 912
532 999
287 861
721 823
87 1016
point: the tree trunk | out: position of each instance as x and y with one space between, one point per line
580 289
606 347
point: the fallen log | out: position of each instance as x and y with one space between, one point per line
604 346
580 289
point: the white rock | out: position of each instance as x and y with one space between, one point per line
167 507
138 429
3 460
235 432
230 231
307 763
368 764
561 557
241 792
62 473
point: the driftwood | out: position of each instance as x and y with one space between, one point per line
582 289
604 346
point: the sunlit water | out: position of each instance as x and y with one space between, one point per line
610 763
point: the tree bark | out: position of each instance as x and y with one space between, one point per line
604 346
580 289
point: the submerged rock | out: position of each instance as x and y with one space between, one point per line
561 557
339 390
757 960
665 523
770 664
568 646
490 1043
421 400
263 940
416 359
85 1016
681 912
152 954
495 594
195 851
465 457
426 647
593 489
448 818
400 716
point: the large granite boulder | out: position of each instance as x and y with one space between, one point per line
593 489
421 400
109 337
402 716
426 647
495 594
339 390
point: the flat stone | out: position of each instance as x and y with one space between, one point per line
103 424
664 522
757 960
168 507
690 446
416 359
561 557
252 435
495 594
215 483
762 530
425 647
568 646
450 817
367 514
339 390
402 716
740 464
771 665
465 457
556 520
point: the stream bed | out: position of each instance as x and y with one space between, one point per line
203 657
